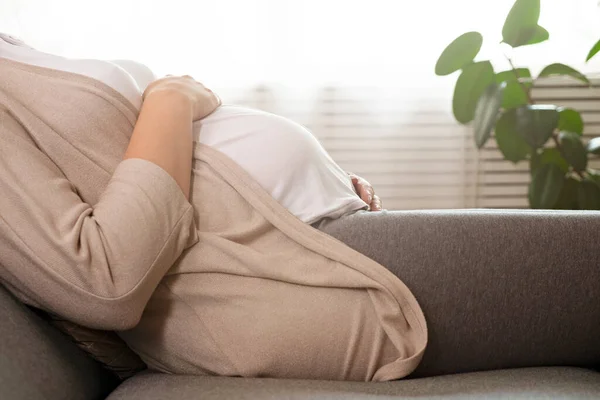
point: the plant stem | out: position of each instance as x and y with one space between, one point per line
529 98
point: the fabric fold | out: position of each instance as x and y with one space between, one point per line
264 294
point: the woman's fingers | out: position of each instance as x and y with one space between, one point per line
363 188
204 101
366 192
376 204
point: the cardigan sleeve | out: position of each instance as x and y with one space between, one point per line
96 266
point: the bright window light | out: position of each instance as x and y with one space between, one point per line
237 42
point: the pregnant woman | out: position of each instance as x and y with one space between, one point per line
185 225
145 207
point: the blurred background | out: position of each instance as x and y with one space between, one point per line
358 74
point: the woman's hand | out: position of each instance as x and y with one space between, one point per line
366 192
203 100
163 133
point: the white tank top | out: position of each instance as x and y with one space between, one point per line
281 155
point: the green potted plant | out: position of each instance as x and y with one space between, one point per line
545 135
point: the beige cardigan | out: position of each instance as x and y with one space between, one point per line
231 284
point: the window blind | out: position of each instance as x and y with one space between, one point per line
406 144
409 146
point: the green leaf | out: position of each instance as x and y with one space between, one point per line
459 53
594 176
538 35
593 146
512 145
486 113
589 195
519 26
562 69
552 156
513 95
593 51
471 83
573 150
545 187
535 123
570 120
510 75
568 198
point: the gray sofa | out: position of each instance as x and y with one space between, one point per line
39 362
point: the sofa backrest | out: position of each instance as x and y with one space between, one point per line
39 362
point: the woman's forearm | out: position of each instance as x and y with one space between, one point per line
163 135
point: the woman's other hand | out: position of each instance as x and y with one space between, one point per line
204 101
366 192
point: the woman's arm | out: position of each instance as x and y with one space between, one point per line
163 133
97 265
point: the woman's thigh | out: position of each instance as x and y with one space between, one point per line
498 290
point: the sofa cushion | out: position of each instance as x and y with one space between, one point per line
106 347
39 362
525 383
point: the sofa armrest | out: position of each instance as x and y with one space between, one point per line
499 288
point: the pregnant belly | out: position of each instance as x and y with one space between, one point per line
272 149
283 157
